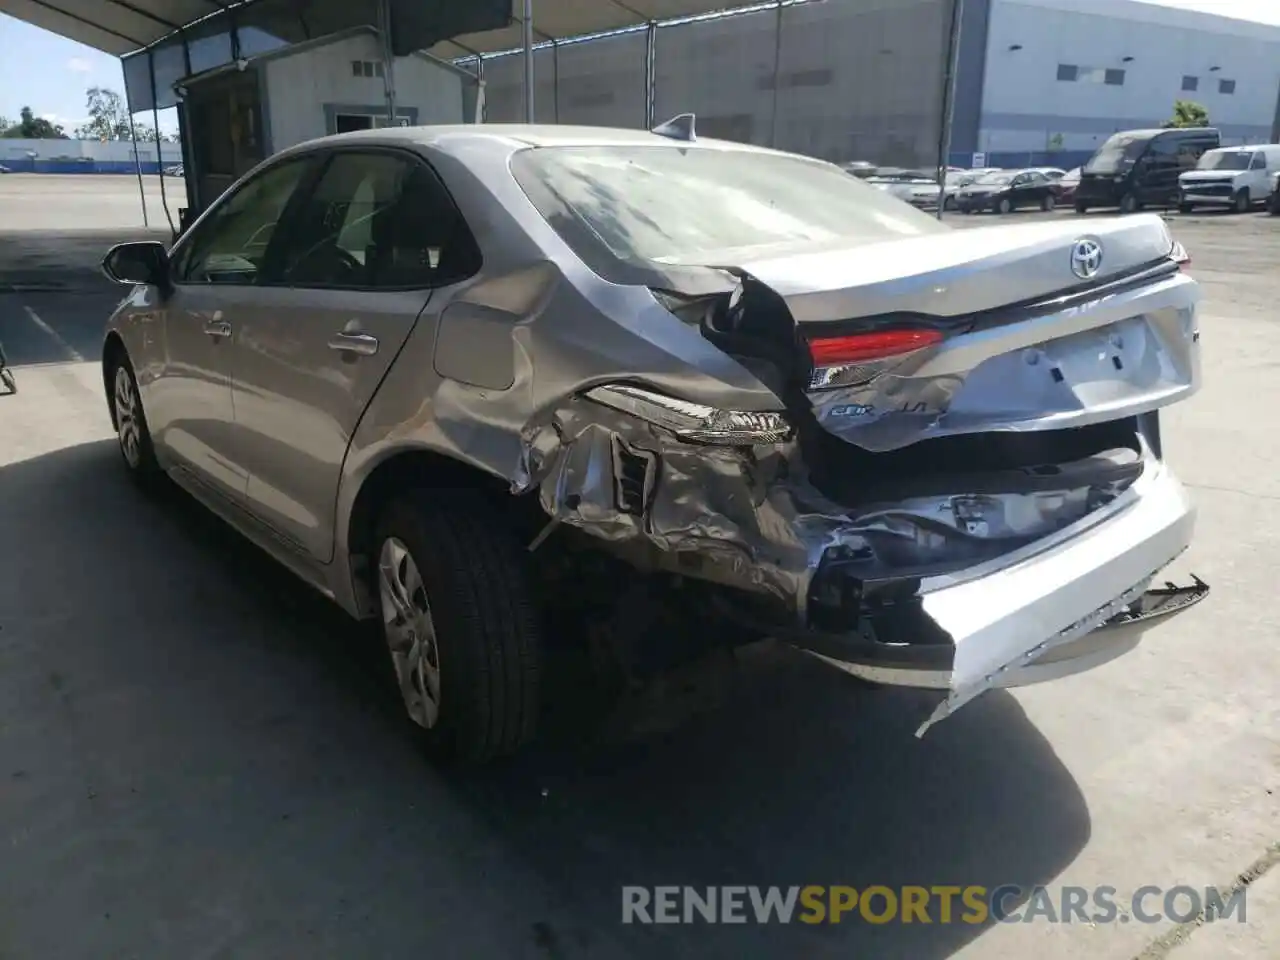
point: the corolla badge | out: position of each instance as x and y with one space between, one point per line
1086 258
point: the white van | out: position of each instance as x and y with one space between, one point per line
1235 177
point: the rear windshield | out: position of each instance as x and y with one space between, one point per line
1231 160
661 204
1118 153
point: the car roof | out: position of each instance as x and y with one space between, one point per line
510 137
1245 146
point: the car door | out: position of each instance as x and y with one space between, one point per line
215 272
354 269
1018 190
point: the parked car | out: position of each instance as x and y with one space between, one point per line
1007 191
1273 202
1066 187
859 168
910 186
494 382
1141 167
4 169
174 171
1051 173
1233 177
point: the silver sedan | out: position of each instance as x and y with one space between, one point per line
476 383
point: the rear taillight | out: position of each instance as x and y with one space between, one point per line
864 347
1180 256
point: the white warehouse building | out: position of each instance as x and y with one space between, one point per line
1071 72
863 79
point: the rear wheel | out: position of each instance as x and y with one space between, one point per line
461 625
1128 203
1048 202
949 203
1082 208
1243 202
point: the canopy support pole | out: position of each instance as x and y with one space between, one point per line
528 61
949 101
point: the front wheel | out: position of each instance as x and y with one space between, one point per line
949 204
461 625
1005 205
1243 202
132 432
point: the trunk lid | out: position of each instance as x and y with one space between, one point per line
1032 327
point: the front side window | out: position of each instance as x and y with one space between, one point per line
230 246
375 221
688 205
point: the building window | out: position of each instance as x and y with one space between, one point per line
1190 84
1067 72
357 68
1114 78
1226 86
366 68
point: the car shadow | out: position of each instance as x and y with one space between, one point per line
198 749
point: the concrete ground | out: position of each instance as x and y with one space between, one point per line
198 758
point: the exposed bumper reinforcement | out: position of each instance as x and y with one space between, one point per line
1049 614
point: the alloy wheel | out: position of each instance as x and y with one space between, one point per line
128 427
410 632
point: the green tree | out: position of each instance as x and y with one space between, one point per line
31 127
1187 113
1056 142
108 116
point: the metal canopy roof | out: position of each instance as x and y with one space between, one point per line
119 27
566 19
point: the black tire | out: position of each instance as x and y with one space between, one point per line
487 628
1243 202
1274 207
1129 203
1081 208
1005 205
949 203
1048 202
127 414
1186 207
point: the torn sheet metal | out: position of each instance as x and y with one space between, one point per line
750 519
1034 572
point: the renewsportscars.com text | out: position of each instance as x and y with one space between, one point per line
935 904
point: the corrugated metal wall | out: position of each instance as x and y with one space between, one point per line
837 79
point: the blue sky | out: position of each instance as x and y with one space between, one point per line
66 69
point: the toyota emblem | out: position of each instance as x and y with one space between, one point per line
1086 258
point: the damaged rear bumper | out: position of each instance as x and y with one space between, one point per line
1060 606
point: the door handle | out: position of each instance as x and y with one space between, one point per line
361 344
218 328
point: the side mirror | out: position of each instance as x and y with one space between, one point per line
141 262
